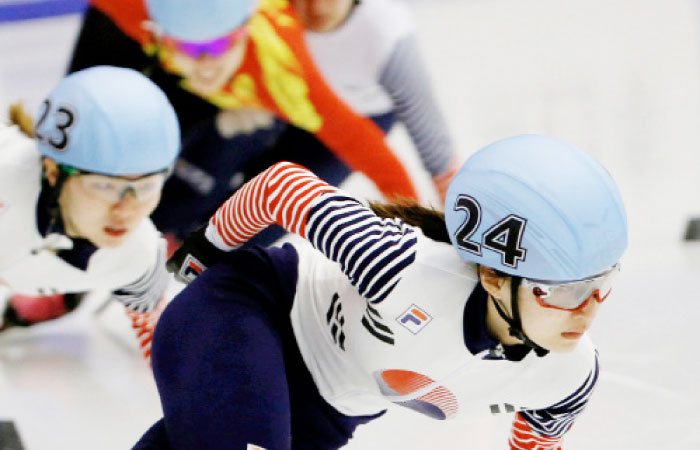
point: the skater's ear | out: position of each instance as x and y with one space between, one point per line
497 285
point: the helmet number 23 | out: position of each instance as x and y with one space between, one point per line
504 237
65 119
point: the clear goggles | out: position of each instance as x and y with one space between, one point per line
113 189
574 295
214 48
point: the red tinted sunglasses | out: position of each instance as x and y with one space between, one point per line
574 295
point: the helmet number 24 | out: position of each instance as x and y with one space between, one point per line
504 237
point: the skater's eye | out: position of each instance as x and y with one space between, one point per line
101 186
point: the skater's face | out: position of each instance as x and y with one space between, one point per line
323 15
554 329
102 209
207 67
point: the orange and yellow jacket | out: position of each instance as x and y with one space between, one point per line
278 75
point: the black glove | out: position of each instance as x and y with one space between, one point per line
193 257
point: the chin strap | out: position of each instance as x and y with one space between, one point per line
515 327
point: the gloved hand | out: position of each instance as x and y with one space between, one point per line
442 181
194 255
242 120
25 310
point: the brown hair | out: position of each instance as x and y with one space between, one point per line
23 120
430 220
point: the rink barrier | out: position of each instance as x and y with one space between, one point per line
13 10
9 438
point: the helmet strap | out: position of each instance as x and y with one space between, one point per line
515 327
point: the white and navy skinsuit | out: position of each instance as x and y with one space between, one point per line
38 258
294 347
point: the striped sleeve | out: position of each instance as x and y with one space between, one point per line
371 251
405 79
143 295
545 429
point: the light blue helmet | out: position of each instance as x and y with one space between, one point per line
108 120
538 208
199 20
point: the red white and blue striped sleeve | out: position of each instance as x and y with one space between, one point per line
371 251
544 429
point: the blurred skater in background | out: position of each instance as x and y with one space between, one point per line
248 92
368 53
76 198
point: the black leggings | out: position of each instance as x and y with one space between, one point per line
228 369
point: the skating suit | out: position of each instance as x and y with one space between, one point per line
383 314
34 263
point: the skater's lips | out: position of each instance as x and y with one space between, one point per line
115 231
572 334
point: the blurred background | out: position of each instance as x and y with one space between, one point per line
618 78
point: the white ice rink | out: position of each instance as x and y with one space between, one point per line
619 78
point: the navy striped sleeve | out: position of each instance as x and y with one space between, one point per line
371 251
143 295
406 80
556 420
